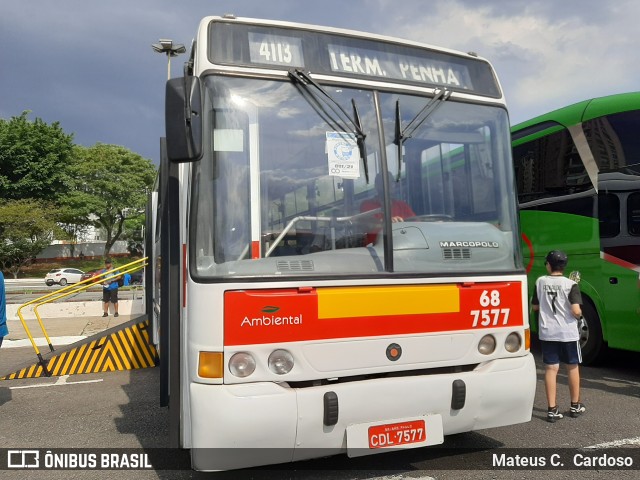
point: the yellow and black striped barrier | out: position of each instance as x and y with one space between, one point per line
125 347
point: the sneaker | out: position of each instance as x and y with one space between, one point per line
105 314
115 314
553 414
577 409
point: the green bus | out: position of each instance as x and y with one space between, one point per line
578 179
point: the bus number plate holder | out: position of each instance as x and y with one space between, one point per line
377 437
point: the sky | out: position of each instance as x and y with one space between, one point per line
89 65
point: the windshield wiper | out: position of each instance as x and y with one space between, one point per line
401 135
362 147
337 117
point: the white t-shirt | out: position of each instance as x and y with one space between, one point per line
555 294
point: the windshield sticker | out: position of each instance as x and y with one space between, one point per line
342 155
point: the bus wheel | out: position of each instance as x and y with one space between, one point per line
591 341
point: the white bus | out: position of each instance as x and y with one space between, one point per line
302 312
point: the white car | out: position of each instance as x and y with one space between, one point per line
62 276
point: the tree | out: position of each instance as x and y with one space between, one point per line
112 184
133 234
26 228
34 157
74 219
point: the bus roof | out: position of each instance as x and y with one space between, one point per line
580 112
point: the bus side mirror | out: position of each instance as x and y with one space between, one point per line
183 119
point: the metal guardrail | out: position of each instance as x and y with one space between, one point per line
65 292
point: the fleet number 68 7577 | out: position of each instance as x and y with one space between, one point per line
486 317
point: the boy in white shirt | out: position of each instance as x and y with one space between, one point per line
557 299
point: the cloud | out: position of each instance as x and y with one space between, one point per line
89 65
547 54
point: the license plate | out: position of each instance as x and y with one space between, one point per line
394 434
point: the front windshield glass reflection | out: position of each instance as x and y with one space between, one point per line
282 188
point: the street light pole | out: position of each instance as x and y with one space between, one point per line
167 47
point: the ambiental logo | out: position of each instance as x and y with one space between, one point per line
271 320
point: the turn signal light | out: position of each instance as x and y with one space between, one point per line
527 339
210 364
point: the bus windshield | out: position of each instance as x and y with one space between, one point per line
285 188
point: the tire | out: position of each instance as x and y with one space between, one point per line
63 282
591 341
49 283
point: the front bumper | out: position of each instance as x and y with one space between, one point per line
239 426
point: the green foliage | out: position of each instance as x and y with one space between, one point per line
74 217
26 228
34 157
134 235
110 183
103 185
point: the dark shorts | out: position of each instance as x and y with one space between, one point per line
554 353
110 295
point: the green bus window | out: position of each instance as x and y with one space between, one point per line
609 215
633 214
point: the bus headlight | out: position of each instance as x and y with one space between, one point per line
242 364
487 345
280 362
513 342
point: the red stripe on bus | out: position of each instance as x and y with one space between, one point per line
618 261
291 315
531 253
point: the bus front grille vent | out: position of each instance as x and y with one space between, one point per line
295 265
456 253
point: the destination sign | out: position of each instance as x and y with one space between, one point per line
336 54
403 67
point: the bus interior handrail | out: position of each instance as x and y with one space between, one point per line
295 220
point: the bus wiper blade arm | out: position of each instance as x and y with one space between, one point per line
360 140
401 135
305 79
340 118
439 98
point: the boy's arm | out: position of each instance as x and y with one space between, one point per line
535 303
575 297
576 310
